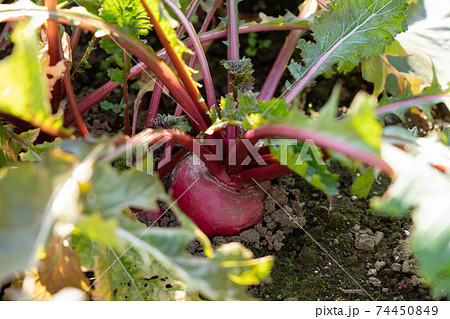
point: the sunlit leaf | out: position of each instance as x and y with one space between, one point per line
98 229
422 188
21 220
347 32
425 106
363 182
250 110
168 25
61 268
427 41
377 68
130 15
24 92
9 148
359 129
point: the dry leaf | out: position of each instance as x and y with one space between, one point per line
55 72
61 268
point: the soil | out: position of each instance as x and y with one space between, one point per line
327 249
324 249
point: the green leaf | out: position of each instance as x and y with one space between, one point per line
288 19
9 148
157 266
393 134
434 89
250 110
219 277
359 129
116 75
418 186
168 25
33 152
109 106
229 109
98 229
445 136
22 208
29 213
127 276
167 121
24 89
363 182
92 6
427 41
130 15
39 149
306 160
347 32
112 191
375 71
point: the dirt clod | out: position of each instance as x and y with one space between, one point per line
396 267
365 242
380 265
374 281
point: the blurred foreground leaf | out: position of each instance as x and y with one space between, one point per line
61 268
427 41
25 91
83 194
424 189
25 192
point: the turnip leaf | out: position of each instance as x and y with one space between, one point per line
21 220
347 32
82 194
359 130
168 121
427 41
430 96
363 182
127 14
25 91
418 186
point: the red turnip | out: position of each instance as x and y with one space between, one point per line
217 208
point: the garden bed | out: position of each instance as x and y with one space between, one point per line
336 249
325 247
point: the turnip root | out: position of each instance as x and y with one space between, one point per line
217 208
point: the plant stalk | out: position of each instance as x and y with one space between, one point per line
412 102
323 141
182 71
261 173
54 49
73 105
273 79
107 88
